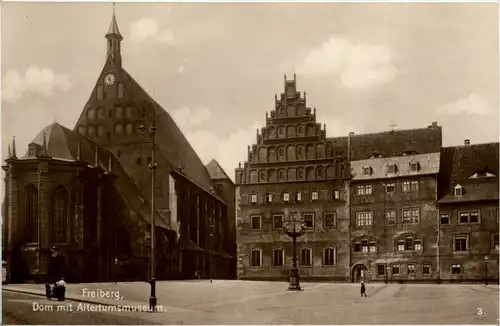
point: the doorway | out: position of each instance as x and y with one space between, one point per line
359 272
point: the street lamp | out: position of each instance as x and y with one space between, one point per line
294 228
116 265
486 270
152 166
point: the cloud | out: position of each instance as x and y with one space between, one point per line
358 65
228 151
187 118
146 29
36 80
474 104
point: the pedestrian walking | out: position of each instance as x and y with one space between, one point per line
48 291
61 289
363 289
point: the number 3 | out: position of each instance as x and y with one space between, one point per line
480 311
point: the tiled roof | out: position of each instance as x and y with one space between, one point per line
395 143
215 171
459 163
474 191
427 164
62 143
172 143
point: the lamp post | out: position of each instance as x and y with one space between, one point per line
116 265
211 247
485 270
294 228
152 166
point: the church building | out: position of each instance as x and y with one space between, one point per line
78 202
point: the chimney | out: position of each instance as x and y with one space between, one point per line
467 142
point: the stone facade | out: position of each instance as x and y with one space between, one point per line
292 166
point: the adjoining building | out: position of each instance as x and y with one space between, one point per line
468 212
78 203
373 204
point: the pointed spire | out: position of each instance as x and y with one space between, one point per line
79 151
113 27
114 38
14 147
9 154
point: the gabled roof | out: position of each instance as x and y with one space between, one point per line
215 171
472 192
459 163
63 143
395 143
171 142
427 164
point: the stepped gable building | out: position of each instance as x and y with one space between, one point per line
468 212
293 167
393 204
82 198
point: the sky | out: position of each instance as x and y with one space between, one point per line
215 67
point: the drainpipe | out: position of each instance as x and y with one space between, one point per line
349 202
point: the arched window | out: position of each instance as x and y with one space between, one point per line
31 213
129 129
99 92
91 113
59 228
118 129
100 113
100 131
118 112
91 131
120 90
128 112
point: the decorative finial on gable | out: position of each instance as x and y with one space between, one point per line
14 147
10 153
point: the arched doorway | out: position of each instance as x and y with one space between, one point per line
359 272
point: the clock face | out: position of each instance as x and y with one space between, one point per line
109 79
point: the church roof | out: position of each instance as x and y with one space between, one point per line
172 143
216 171
62 144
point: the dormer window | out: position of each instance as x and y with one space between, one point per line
409 152
458 191
376 155
367 170
391 168
482 174
414 166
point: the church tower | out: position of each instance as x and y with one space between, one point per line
114 42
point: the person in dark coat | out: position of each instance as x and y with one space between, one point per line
363 289
48 291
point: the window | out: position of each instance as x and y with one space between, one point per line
426 269
60 202
118 129
364 246
411 268
91 131
120 90
99 93
414 186
256 258
269 198
390 188
278 257
456 269
309 220
406 186
495 242
367 170
253 198
408 244
277 221
335 194
256 221
401 245
31 213
381 270
286 197
373 246
395 269
414 167
314 195
364 190
138 161
390 217
417 245
357 247
364 219
468 217
118 112
391 168
329 257
411 215
128 112
330 220
445 219
458 190
298 196
460 243
129 129
100 131
305 257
